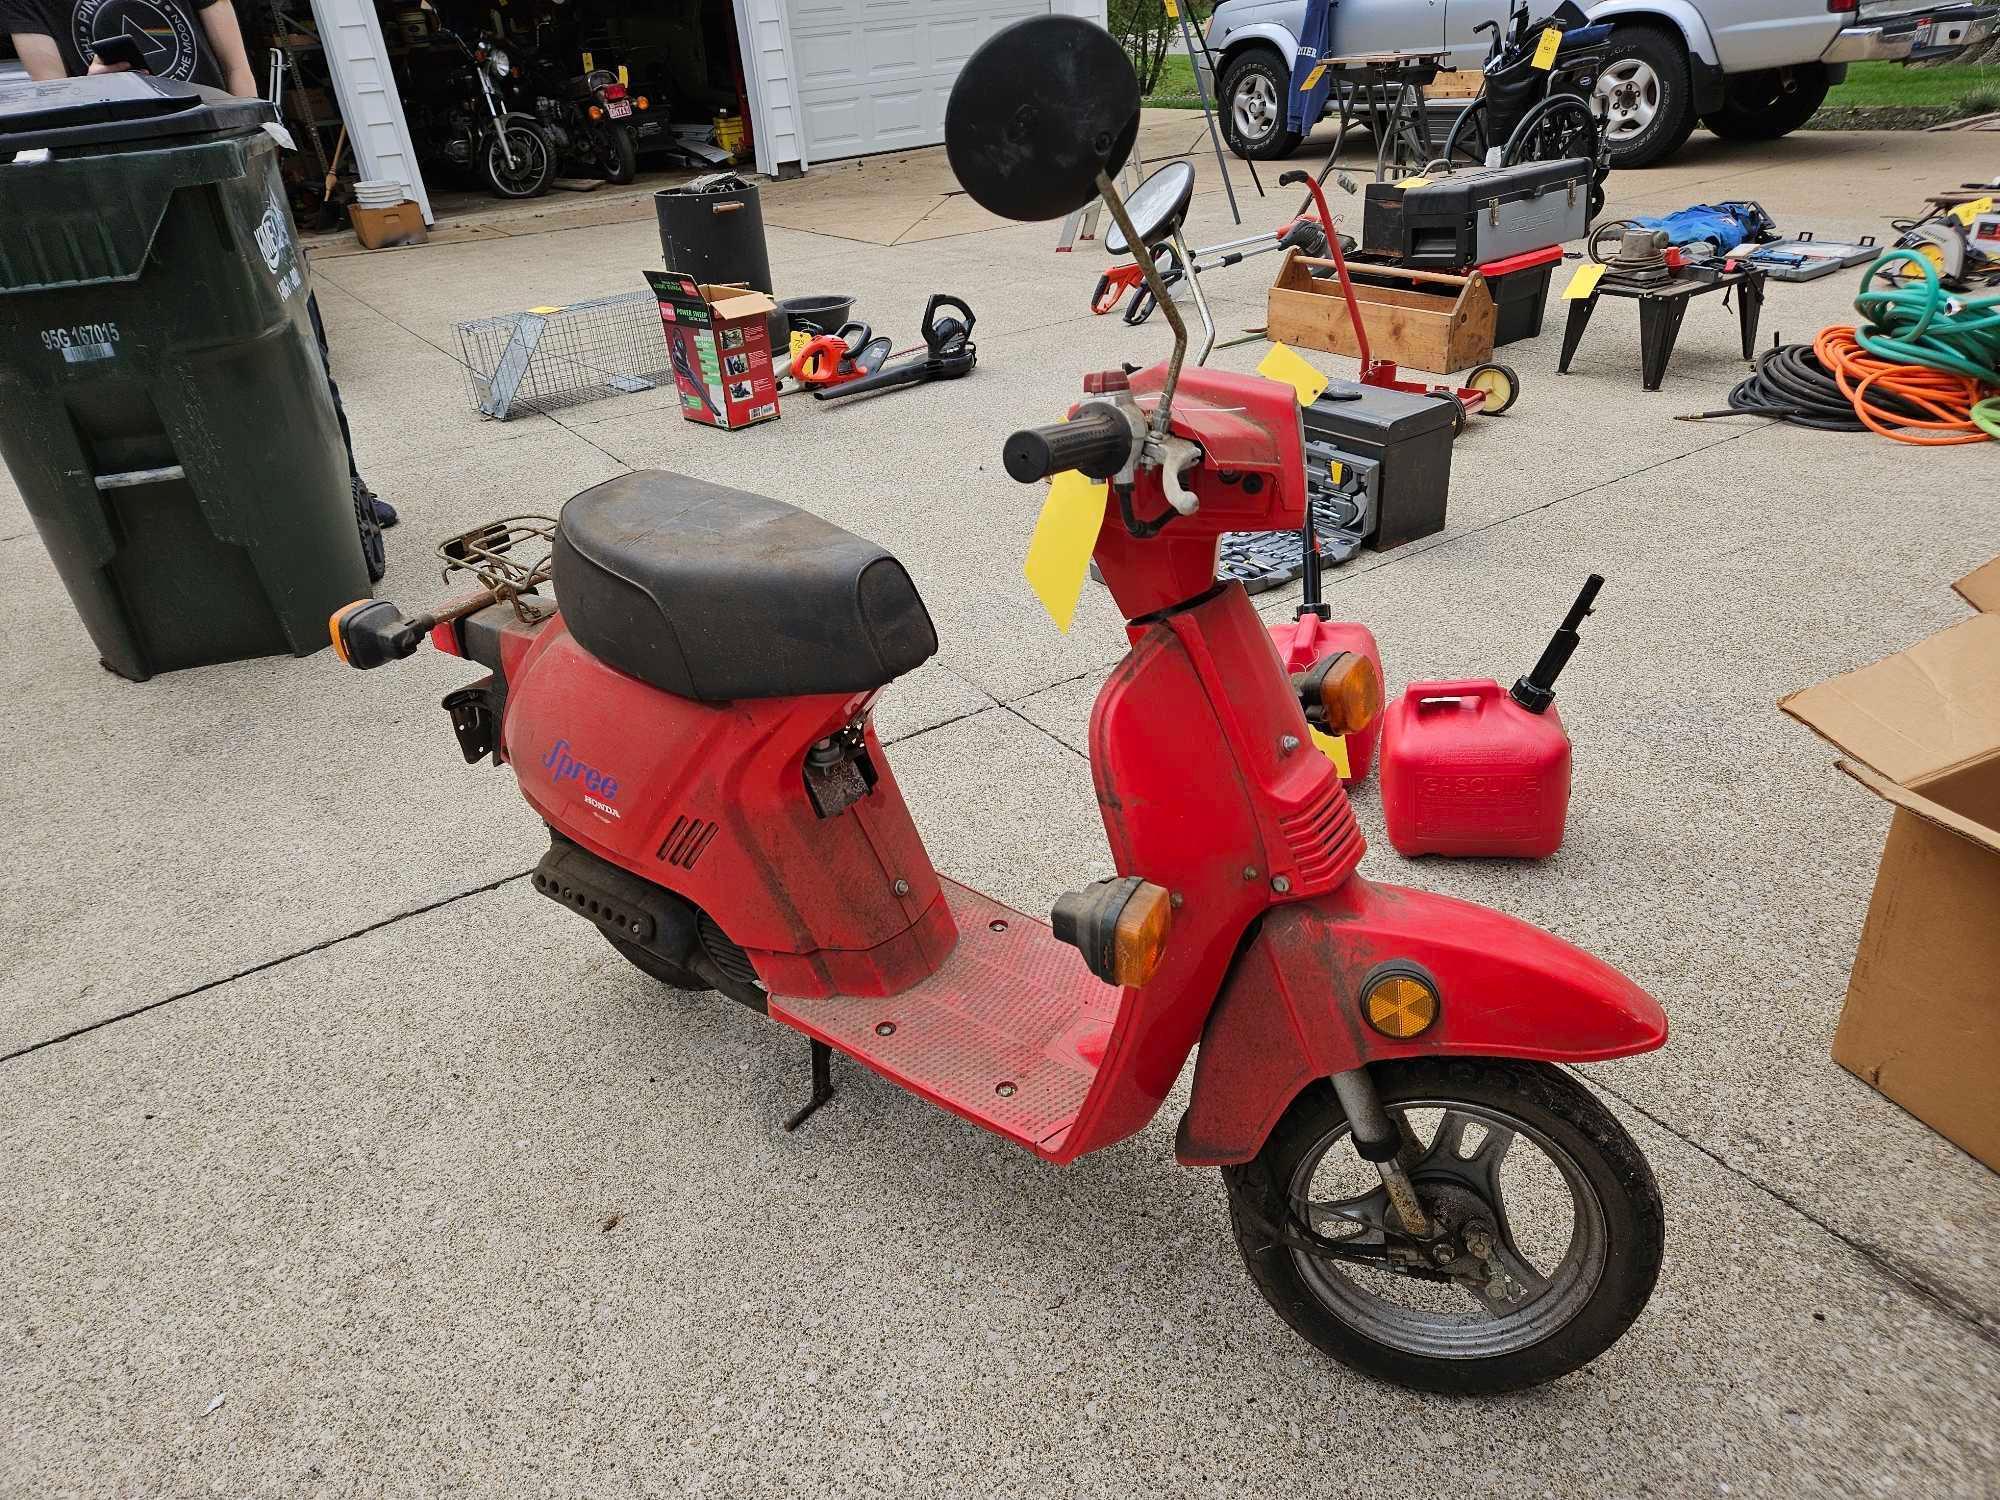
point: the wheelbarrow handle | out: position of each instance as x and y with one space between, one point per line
1397 272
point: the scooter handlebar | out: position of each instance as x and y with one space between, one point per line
1097 441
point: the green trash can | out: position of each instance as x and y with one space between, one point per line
162 406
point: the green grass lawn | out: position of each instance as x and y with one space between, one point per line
1175 89
1868 83
1880 83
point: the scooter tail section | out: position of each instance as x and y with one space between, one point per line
1371 973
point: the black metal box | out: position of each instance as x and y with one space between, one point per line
1409 436
1485 214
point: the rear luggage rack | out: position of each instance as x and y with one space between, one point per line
489 554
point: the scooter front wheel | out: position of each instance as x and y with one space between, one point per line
1545 1235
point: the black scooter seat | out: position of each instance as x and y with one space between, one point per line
717 594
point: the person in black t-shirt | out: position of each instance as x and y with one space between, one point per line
194 41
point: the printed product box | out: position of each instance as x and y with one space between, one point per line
719 338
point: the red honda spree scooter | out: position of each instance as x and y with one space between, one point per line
1413 1185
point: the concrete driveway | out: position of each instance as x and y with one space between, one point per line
338 1161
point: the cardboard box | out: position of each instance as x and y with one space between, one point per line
720 340
1921 729
379 228
1424 319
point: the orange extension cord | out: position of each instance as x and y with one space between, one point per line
1949 398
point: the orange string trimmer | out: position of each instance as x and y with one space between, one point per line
1948 398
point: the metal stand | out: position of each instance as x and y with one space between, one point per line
1383 91
1083 223
822 1084
1660 312
1214 133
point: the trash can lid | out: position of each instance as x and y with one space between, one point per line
111 108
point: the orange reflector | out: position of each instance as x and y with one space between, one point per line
1351 694
1401 1006
1140 936
596 113
333 624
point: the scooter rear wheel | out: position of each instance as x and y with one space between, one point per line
652 964
1557 1269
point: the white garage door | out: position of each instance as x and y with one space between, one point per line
873 75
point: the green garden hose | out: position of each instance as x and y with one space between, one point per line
1917 322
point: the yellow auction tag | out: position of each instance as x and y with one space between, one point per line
1173 11
1333 747
1334 471
799 342
1059 551
1312 79
1545 49
1584 283
1410 182
1285 367
543 312
1965 213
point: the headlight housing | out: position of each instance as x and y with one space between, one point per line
500 61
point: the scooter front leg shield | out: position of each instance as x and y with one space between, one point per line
1291 1010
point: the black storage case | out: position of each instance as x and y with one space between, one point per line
1519 299
1488 213
1410 437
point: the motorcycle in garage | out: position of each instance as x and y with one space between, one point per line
592 119
462 119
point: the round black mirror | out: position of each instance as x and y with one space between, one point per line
1037 113
1156 207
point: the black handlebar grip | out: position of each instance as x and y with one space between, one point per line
1096 440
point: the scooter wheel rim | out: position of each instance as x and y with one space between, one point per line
1437 1320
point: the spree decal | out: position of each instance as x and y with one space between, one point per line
599 790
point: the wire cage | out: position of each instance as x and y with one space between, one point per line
548 358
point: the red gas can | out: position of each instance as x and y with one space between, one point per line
1302 642
1473 768
1467 770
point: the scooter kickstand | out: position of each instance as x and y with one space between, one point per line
822 1088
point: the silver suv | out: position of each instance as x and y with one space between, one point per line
1747 69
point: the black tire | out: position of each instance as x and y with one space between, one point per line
1465 144
534 162
1763 106
1646 68
1459 415
1542 1098
1256 131
658 968
1559 128
1501 379
373 551
618 154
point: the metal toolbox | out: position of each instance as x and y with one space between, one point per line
1456 222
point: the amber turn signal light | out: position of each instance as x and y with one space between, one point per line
1341 693
1119 926
642 102
596 112
1401 1003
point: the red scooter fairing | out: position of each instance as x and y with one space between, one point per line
1291 1010
707 800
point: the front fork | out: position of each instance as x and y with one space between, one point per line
1378 1140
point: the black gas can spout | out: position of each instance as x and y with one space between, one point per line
1537 690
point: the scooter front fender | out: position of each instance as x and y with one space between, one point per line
1290 1010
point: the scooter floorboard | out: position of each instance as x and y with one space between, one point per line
1008 1033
